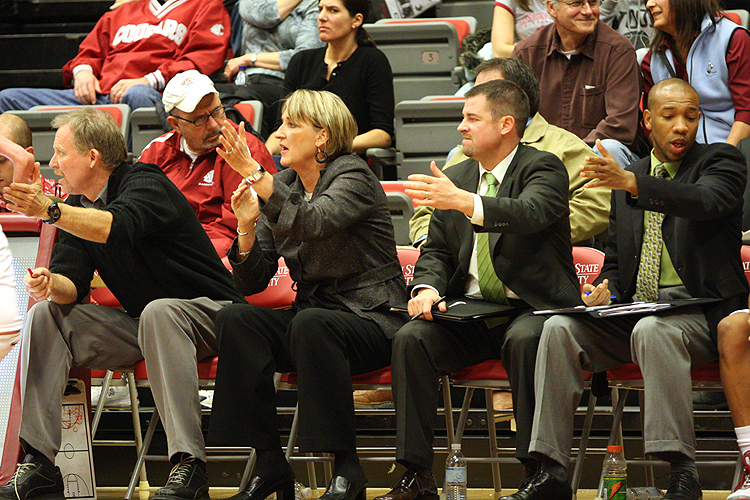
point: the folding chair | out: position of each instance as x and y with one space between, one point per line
490 375
375 380
252 111
278 294
707 378
145 126
39 119
422 55
416 120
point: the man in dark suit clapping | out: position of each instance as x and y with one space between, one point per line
499 232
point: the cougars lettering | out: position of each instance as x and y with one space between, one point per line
133 32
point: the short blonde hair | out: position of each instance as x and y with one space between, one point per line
324 110
94 129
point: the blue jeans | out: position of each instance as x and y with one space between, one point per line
619 152
137 96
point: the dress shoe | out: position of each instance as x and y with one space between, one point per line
34 480
340 488
413 485
543 486
373 398
188 480
685 486
259 488
529 474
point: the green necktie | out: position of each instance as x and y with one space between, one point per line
647 282
489 284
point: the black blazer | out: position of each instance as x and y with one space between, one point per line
529 231
339 246
701 228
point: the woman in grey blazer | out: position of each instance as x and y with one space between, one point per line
327 215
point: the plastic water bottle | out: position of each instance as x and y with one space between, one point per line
643 493
615 474
455 474
241 78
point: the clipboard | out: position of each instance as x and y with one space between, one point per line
629 308
465 309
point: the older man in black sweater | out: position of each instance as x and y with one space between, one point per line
135 227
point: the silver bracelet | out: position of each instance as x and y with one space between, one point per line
242 234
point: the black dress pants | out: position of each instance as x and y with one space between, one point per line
325 347
424 350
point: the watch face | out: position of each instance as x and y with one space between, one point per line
54 213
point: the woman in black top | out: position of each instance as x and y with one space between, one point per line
351 67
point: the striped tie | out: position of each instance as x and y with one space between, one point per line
491 287
647 282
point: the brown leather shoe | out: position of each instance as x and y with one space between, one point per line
374 398
413 485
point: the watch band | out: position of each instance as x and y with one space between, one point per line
255 176
53 212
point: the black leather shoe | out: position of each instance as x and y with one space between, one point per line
259 488
530 472
685 486
413 485
34 480
543 486
340 488
187 481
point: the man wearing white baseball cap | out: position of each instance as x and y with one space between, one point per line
188 155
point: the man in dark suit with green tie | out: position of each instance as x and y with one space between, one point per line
499 232
674 234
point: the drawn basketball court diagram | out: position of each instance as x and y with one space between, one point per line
75 459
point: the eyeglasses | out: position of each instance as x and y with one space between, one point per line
203 119
578 5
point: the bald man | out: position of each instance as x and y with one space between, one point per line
17 130
693 252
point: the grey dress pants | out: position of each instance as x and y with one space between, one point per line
172 335
666 346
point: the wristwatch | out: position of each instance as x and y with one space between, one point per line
255 176
53 211
253 58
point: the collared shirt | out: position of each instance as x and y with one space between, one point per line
99 202
594 93
477 218
667 273
472 279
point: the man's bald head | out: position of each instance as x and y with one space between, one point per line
668 88
673 117
15 129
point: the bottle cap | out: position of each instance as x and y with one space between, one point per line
242 67
456 446
614 448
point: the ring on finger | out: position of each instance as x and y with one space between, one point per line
230 151
426 195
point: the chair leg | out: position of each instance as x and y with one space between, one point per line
143 486
619 395
142 455
448 410
100 404
496 480
464 415
292 442
249 466
583 445
649 468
